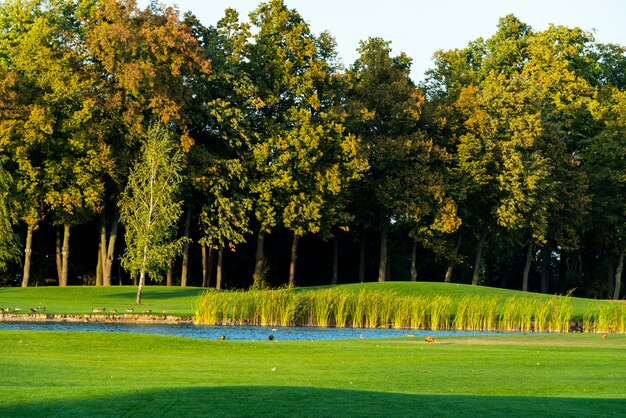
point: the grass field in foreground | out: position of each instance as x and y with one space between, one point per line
103 375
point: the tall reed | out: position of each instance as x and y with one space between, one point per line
377 308
440 312
344 306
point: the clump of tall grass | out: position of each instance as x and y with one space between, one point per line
383 308
517 315
440 312
605 317
344 308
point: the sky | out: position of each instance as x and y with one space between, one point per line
419 28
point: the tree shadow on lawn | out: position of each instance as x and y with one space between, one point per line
148 293
305 401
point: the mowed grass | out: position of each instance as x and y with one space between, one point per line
58 374
80 300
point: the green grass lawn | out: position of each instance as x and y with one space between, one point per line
457 290
48 374
177 301
180 301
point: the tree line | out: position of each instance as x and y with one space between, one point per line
505 166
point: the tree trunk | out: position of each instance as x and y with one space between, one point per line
28 250
259 258
99 266
183 274
210 265
618 272
414 262
362 257
451 263
204 263
142 275
102 251
107 267
292 263
610 276
66 255
479 251
168 280
529 260
335 260
218 276
142 279
59 255
545 266
382 265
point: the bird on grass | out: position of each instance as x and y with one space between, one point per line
604 335
222 337
430 340
130 310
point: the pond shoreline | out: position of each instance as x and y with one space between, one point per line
110 318
575 326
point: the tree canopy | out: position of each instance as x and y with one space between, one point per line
505 166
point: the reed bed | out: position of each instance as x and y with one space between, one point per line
605 317
339 307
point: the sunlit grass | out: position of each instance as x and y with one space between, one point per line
61 374
385 307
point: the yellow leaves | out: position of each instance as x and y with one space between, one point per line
40 121
186 141
447 219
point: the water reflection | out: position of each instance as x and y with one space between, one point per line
246 333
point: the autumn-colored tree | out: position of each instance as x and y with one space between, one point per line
146 63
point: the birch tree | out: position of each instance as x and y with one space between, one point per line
149 209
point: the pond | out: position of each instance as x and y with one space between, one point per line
247 333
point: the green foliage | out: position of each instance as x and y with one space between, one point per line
149 209
9 250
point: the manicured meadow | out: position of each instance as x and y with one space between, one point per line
410 306
421 305
103 375
81 300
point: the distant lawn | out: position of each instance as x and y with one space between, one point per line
80 300
58 374
180 301
456 291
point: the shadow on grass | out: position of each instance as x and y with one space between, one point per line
304 401
157 293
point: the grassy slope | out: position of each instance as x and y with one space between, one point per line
456 290
180 301
92 374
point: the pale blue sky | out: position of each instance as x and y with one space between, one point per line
419 28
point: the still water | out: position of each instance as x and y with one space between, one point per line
248 333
